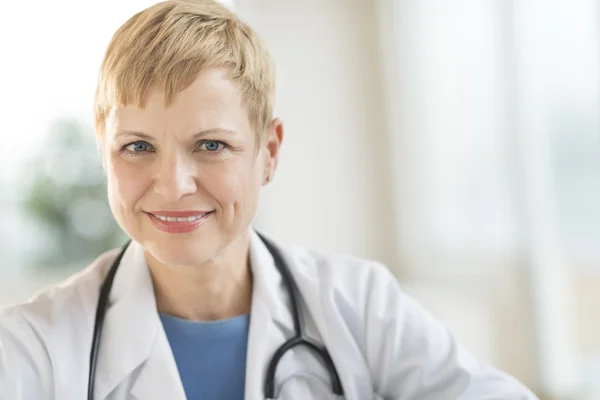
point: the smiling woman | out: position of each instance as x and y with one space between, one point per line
199 161
197 304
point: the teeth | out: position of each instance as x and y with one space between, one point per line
179 219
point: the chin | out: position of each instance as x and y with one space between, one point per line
184 249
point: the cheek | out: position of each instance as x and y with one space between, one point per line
126 184
234 184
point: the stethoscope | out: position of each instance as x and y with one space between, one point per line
299 339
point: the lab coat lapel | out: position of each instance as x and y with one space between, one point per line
270 320
159 377
133 338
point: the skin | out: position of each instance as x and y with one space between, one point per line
198 154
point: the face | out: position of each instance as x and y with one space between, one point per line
184 181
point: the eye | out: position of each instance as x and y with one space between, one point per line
212 145
137 147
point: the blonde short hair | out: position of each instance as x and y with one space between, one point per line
168 44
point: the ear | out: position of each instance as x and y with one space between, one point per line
272 146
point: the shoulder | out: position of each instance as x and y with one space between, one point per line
339 270
348 286
60 300
33 334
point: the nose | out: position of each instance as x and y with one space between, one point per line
175 177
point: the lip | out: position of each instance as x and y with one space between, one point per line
176 226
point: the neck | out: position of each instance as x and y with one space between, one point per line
220 289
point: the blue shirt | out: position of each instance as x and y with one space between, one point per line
210 356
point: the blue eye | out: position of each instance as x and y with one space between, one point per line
137 147
213 145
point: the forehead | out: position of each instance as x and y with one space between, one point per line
212 100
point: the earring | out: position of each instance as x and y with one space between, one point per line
268 179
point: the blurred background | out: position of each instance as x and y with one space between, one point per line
456 141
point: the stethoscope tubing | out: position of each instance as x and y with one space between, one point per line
300 337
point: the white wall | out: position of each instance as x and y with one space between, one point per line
330 189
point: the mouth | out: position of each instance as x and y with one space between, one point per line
178 221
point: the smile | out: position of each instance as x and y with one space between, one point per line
178 221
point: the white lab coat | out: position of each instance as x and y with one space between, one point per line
383 344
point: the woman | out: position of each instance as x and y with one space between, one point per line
197 305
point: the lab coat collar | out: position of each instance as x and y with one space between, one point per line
271 321
268 289
133 335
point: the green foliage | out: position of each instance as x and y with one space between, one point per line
66 196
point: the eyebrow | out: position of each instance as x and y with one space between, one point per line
125 133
